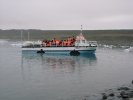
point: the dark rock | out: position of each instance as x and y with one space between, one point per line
130 94
124 88
111 94
132 81
118 96
104 97
123 94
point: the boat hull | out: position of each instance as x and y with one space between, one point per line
62 49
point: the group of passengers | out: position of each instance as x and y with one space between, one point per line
55 42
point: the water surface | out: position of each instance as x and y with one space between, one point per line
30 76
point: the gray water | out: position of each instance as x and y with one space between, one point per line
30 76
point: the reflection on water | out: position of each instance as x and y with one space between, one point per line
55 65
57 60
31 76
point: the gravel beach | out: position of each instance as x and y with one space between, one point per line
124 92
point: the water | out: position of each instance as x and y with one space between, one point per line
30 76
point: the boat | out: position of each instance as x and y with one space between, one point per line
71 45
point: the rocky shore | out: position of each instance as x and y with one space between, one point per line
124 92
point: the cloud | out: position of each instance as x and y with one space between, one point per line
116 19
66 14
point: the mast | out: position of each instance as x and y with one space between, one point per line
28 36
81 30
81 34
21 35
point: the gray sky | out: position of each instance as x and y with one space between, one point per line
66 14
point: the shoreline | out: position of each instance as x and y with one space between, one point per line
124 92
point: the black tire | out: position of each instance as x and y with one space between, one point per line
41 51
74 53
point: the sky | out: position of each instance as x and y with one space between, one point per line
66 14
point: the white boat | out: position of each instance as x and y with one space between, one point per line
72 45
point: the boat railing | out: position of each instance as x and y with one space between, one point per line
92 42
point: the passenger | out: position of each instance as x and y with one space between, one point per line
69 38
60 43
73 39
64 41
68 43
43 44
50 43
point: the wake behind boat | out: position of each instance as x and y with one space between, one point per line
71 45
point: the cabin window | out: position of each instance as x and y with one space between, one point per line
78 41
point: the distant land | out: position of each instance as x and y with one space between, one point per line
98 35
